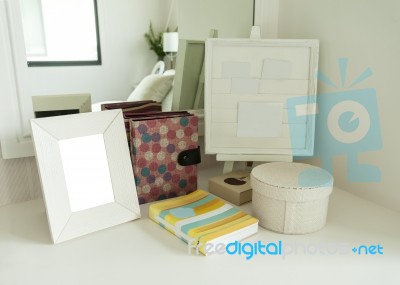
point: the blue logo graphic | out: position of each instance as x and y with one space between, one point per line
284 249
251 249
368 249
346 123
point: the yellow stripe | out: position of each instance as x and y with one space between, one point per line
200 234
171 219
158 207
234 228
214 235
207 207
236 216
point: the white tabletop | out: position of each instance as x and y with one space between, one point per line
141 251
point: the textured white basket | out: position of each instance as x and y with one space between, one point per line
290 198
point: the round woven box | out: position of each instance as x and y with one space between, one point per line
290 198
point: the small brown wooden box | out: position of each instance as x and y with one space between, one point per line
224 187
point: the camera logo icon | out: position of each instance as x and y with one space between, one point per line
346 123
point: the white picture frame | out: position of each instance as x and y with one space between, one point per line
269 72
85 172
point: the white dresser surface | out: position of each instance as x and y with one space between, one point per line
142 251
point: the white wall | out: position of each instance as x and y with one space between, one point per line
367 33
232 18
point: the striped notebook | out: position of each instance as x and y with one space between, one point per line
203 220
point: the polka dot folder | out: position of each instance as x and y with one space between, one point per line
164 152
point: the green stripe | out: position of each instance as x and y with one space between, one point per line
186 228
200 202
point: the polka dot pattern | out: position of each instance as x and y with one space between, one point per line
154 150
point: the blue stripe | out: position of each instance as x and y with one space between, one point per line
200 202
186 228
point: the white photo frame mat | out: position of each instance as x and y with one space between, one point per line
259 71
119 203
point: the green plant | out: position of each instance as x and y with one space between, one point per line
155 41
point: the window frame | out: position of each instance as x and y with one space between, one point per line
75 62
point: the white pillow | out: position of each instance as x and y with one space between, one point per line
152 87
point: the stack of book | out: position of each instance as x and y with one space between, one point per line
203 220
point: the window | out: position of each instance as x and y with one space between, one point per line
61 32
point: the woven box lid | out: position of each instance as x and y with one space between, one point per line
291 181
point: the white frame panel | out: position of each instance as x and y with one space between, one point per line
221 102
47 134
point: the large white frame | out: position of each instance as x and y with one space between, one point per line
222 103
52 135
